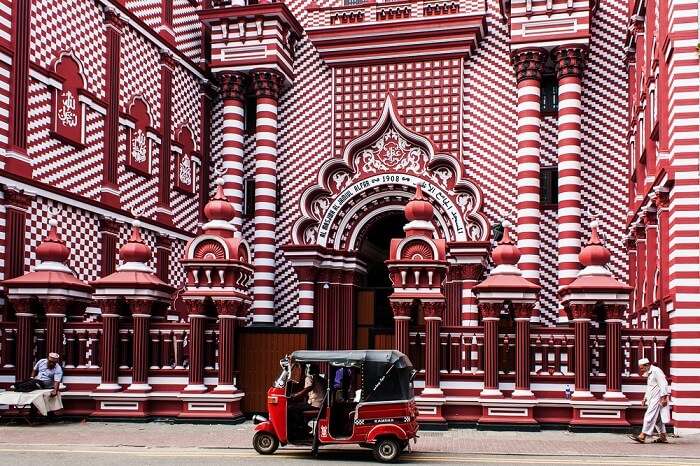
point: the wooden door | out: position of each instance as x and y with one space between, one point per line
365 318
258 354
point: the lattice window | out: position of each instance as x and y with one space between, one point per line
549 187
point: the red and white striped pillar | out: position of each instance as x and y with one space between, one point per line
402 317
432 312
55 310
307 284
196 345
529 64
267 86
109 346
613 339
581 314
233 86
490 315
523 312
141 316
569 62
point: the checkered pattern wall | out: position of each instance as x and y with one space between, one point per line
79 229
70 25
75 169
427 94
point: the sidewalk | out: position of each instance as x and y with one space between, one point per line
159 435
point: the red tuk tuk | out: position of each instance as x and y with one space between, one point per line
368 401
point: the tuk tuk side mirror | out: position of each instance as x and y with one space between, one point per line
413 375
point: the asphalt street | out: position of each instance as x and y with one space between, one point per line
99 456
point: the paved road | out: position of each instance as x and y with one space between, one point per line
99 456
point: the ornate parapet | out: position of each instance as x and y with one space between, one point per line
349 33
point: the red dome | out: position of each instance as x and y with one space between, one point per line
135 250
418 208
506 252
52 249
219 208
594 253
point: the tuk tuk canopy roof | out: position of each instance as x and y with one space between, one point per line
354 358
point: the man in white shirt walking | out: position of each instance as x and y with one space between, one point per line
656 401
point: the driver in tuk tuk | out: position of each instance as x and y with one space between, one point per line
314 391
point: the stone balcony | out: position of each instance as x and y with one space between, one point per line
392 31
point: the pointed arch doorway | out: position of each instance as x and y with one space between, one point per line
373 317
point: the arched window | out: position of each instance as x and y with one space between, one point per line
139 146
184 161
68 112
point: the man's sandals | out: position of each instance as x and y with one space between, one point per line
638 440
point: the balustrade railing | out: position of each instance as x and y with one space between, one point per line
81 345
461 349
551 350
168 346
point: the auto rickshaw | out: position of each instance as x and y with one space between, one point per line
368 401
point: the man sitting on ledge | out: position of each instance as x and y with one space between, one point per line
47 374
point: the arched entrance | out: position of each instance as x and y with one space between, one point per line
347 215
373 316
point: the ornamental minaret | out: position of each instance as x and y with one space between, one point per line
252 53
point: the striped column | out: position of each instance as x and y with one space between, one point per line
227 311
233 86
267 86
55 310
523 312
110 346
141 315
613 338
528 65
24 353
402 317
683 106
490 315
433 312
196 344
569 62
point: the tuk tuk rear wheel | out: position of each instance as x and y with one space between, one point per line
386 450
265 443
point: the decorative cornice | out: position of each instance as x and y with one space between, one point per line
233 85
570 60
528 63
433 309
267 84
17 199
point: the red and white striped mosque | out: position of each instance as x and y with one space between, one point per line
505 190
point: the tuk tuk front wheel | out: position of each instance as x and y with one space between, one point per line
265 443
386 450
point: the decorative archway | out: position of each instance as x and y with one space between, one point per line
379 168
378 173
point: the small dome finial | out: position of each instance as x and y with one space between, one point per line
135 250
53 248
219 208
594 253
506 253
418 208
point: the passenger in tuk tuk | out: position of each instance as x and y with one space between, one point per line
308 399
